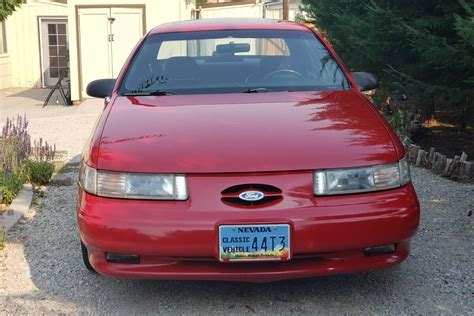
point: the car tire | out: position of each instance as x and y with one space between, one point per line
85 258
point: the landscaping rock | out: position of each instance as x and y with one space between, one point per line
432 151
439 163
422 158
406 143
465 171
19 207
413 153
462 171
449 161
429 161
450 169
455 170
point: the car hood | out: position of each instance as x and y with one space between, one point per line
243 133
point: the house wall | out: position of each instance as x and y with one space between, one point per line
156 12
275 10
23 43
254 10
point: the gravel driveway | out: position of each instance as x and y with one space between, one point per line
41 271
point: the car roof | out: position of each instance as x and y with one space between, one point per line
227 24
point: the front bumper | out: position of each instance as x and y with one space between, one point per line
179 240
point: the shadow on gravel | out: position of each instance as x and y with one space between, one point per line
51 246
37 94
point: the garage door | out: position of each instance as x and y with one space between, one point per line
106 38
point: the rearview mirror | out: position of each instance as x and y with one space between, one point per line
100 88
365 81
233 48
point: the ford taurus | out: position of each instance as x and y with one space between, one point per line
241 150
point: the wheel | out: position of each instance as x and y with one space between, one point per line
85 257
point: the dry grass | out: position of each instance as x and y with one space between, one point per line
435 123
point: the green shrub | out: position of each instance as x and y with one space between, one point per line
9 156
401 122
10 185
19 161
422 48
39 172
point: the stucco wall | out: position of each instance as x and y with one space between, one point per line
23 41
157 12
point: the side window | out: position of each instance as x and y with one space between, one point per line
3 38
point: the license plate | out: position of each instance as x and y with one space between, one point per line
254 242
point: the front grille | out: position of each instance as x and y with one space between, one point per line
272 194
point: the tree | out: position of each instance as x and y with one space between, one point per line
8 6
424 48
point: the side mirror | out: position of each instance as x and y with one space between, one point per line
366 81
100 88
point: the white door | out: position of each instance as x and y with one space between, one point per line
95 49
54 50
106 37
127 29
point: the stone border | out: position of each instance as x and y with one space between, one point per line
457 168
18 209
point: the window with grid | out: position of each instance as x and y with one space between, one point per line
58 50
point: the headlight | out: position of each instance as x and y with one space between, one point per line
375 178
133 185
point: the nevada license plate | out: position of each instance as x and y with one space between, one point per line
254 242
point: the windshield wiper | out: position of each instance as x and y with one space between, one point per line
144 93
257 90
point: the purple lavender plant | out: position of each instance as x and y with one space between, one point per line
15 143
43 151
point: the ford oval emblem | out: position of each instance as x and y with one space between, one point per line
251 196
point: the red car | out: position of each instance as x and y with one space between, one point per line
241 150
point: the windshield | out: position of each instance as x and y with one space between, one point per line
232 61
